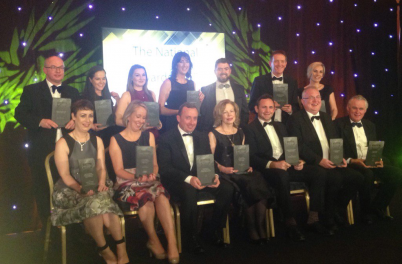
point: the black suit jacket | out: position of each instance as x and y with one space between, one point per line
299 125
35 105
345 130
206 121
260 145
174 166
263 84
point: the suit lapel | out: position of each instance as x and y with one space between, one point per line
44 89
181 146
369 132
280 136
310 125
350 136
262 131
324 123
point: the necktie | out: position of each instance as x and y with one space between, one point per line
277 78
187 134
223 85
315 117
54 88
267 123
357 124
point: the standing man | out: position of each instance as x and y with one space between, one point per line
264 84
356 133
177 153
313 130
222 89
267 155
34 112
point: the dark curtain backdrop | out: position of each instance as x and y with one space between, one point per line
384 97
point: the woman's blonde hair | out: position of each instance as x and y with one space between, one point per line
131 109
220 108
311 67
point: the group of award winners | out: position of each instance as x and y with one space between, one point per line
216 124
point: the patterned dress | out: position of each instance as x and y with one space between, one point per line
72 207
134 192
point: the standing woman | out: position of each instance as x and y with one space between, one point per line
137 89
96 88
315 72
173 92
143 192
96 208
251 184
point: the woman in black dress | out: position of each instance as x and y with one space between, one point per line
315 73
173 92
251 184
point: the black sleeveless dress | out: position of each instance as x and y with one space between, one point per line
177 97
70 206
132 191
252 185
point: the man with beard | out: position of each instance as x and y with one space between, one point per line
222 89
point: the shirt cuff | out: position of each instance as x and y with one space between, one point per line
188 179
348 160
268 164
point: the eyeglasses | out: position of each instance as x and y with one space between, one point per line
318 97
53 68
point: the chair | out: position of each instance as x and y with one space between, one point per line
377 183
48 162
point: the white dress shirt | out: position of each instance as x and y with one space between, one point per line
224 93
278 112
361 141
319 129
55 94
277 149
188 143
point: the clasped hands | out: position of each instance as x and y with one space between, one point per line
286 108
360 162
196 183
283 165
327 164
101 188
48 124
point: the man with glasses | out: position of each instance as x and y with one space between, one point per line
313 130
35 112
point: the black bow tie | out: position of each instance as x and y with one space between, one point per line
187 134
221 86
357 124
277 78
268 123
58 88
315 117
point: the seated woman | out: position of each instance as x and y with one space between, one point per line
143 192
251 184
96 207
315 73
96 88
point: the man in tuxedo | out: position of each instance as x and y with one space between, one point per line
265 83
267 155
313 130
35 112
177 153
356 133
222 89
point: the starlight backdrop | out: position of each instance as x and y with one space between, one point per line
154 49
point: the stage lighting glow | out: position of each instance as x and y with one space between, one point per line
90 6
355 75
61 55
210 24
331 1
391 36
14 207
239 8
26 145
297 34
258 25
373 86
19 8
375 24
330 43
233 32
252 52
391 9
299 7
24 43
295 62
357 30
35 79
342 95
123 9
332 72
5 102
188 8
318 24
355 5
386 70
157 17
81 35
392 95
279 18
312 52
372 53
376 112
50 18
341 21
350 50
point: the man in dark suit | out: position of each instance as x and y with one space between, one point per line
357 133
267 155
265 83
35 112
222 89
313 130
177 153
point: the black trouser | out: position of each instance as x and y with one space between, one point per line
313 176
342 185
390 178
188 197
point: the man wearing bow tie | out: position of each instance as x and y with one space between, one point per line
177 151
35 112
267 155
222 89
264 84
313 130
356 133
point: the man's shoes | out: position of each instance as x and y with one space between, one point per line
197 248
382 216
294 233
367 219
319 228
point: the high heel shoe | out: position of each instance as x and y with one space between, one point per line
119 242
174 260
157 256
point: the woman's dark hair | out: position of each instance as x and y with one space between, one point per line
81 104
89 90
176 59
130 83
